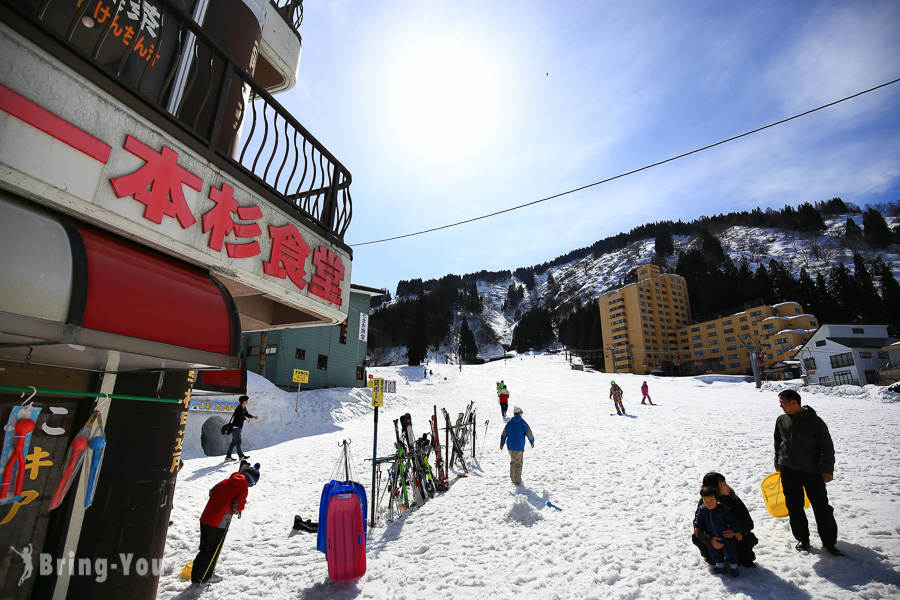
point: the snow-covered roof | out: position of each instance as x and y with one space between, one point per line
785 304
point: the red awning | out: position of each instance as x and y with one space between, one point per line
109 305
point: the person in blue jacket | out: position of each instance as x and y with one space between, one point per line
515 432
715 519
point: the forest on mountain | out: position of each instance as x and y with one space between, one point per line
426 314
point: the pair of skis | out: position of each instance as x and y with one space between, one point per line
455 449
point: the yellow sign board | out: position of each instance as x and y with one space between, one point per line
301 376
378 392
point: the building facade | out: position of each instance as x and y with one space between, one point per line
155 202
839 354
647 329
727 344
333 356
639 323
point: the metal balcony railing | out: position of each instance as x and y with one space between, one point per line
291 11
180 71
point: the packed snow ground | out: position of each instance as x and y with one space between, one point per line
628 487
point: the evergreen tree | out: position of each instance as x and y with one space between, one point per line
875 229
417 322
468 349
852 230
867 302
890 296
763 284
809 218
783 283
806 293
842 290
534 330
664 245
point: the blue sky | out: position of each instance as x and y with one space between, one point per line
445 111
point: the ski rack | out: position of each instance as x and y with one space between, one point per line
410 473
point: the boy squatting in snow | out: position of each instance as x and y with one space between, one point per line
516 431
716 519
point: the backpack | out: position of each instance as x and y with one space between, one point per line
228 427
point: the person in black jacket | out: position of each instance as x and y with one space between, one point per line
729 498
240 415
804 455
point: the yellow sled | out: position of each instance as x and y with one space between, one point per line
186 571
774 496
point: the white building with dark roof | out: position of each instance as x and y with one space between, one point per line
838 354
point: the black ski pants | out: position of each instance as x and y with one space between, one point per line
793 483
211 540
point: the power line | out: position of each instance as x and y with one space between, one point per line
620 175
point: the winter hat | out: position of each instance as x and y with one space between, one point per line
252 474
517 411
612 383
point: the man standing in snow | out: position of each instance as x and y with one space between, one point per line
516 431
804 455
227 498
240 415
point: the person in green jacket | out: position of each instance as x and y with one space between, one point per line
804 455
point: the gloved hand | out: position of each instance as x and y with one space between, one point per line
501 446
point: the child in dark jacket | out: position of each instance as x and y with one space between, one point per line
715 519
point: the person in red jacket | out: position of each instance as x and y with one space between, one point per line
227 498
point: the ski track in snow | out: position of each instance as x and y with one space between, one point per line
627 486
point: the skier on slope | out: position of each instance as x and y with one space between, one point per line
227 498
645 390
503 396
615 392
516 431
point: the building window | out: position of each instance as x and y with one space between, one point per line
743 319
769 326
253 351
821 343
730 339
299 354
732 356
695 329
711 326
810 363
745 327
322 364
865 354
728 322
882 355
844 377
756 313
841 360
729 330
857 330
696 337
712 333
360 373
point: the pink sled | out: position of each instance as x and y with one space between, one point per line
345 539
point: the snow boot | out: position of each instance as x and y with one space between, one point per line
229 459
735 572
718 569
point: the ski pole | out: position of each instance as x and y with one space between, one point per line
483 438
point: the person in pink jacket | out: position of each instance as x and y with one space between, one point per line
645 390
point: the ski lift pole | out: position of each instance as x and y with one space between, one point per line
377 401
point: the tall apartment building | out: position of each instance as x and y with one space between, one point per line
647 329
722 344
640 322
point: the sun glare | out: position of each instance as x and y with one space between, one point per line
444 98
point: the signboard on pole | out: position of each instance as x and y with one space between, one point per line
378 392
301 376
363 327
